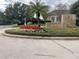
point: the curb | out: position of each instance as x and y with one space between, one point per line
26 37
39 37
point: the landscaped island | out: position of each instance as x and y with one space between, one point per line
38 21
68 32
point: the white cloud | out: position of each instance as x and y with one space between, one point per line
48 2
26 1
53 3
3 5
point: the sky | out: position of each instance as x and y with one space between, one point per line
51 3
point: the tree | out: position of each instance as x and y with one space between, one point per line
8 13
39 9
75 8
1 17
16 12
3 20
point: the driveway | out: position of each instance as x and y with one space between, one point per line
22 48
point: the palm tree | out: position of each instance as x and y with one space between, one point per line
39 9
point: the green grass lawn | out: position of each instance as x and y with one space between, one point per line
68 32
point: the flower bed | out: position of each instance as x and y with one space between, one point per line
30 27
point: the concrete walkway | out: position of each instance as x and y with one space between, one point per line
24 48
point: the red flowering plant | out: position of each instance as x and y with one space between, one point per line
30 27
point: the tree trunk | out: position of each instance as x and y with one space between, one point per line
38 18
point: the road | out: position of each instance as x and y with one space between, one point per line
21 48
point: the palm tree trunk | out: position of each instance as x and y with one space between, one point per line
38 18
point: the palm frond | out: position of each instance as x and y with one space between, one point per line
38 7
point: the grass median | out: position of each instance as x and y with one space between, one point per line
49 33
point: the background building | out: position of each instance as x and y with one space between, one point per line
61 19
